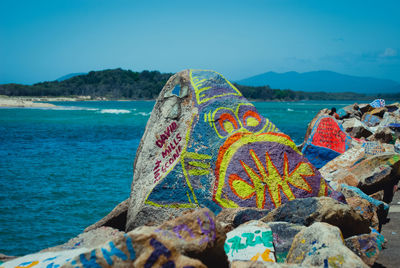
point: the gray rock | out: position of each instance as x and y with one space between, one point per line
283 233
115 219
90 239
384 135
322 245
357 129
306 211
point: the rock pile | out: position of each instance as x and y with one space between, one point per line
218 185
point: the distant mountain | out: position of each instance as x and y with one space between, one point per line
68 76
323 81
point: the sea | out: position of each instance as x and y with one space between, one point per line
64 168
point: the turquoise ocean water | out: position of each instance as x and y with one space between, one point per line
63 169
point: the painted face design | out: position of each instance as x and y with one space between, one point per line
235 157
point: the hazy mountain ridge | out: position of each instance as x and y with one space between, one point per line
327 81
68 76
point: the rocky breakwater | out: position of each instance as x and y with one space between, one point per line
216 184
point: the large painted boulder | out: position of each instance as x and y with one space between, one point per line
327 140
205 145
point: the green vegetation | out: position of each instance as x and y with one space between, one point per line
126 84
111 84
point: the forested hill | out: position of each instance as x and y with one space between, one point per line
111 84
126 84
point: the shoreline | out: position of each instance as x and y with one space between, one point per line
22 103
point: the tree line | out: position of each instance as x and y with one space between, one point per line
146 85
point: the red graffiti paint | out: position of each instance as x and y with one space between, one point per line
329 135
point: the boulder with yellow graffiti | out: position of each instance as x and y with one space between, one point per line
205 145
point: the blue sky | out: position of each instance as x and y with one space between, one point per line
43 40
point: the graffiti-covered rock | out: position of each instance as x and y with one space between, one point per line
251 241
322 245
89 239
257 264
378 103
320 209
370 167
197 234
363 165
366 246
205 145
327 140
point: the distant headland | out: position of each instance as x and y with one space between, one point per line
119 84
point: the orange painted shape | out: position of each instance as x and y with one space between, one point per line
265 256
30 265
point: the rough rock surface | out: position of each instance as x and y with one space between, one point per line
327 140
283 234
320 209
383 135
366 246
356 129
368 167
322 245
205 145
90 239
195 234
257 264
115 219
251 241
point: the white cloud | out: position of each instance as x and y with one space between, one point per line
389 52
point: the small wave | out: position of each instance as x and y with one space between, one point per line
143 113
74 108
290 110
114 111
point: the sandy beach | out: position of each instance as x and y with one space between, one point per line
19 102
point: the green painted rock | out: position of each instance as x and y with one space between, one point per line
251 241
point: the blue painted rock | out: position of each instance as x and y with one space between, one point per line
366 246
205 145
322 245
325 140
378 103
371 120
